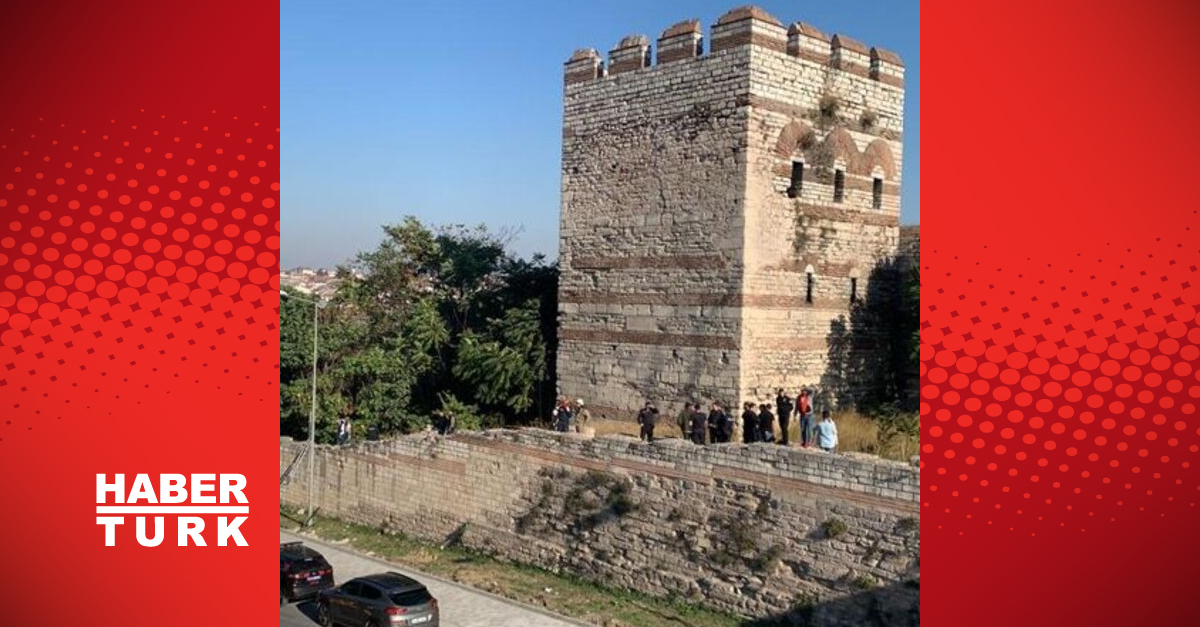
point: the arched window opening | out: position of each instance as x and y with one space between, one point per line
797 179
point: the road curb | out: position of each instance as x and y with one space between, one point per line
449 582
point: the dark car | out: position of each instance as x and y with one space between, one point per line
303 572
378 601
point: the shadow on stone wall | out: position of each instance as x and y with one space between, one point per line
868 361
737 549
894 605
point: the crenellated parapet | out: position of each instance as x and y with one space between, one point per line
849 55
748 26
739 27
631 53
886 67
684 40
584 65
806 42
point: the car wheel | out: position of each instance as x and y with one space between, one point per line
323 616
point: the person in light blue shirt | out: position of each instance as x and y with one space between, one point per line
827 437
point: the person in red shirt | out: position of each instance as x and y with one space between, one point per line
804 408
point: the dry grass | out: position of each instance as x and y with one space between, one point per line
855 433
624 427
860 433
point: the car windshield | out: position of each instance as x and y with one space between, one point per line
411 598
305 563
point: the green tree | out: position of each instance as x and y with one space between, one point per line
504 366
428 317
912 310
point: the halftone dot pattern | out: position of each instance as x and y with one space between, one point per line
1057 398
124 268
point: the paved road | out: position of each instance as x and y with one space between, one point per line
461 606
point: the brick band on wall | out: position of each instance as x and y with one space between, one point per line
823 267
735 301
660 262
802 113
833 212
649 338
790 344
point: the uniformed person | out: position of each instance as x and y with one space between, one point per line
647 418
715 430
749 424
784 405
766 424
699 424
684 421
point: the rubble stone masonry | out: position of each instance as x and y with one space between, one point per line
757 530
686 251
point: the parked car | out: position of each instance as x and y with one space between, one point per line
303 572
381 600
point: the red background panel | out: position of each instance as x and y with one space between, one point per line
1059 298
139 238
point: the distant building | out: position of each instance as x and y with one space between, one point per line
318 282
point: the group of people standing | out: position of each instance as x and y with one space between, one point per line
758 422
345 431
568 416
718 425
714 426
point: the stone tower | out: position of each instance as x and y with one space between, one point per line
722 212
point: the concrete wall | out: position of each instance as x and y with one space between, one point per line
751 529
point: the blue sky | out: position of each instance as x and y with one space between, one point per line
451 110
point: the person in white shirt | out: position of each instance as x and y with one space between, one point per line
582 416
827 437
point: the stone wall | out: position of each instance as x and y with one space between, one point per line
753 529
808 112
651 235
686 260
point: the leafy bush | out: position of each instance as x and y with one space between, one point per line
769 559
620 500
864 582
467 417
908 525
834 527
596 497
828 108
868 119
897 427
